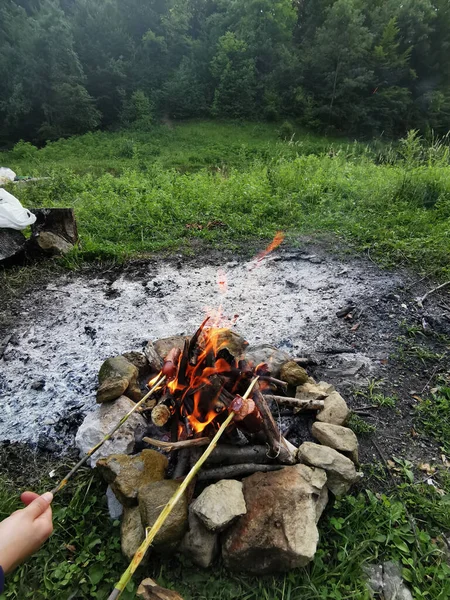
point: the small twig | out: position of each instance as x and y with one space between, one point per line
296 402
170 446
93 450
273 380
367 407
421 300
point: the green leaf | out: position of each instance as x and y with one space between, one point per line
401 545
96 573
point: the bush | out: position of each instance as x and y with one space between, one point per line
286 131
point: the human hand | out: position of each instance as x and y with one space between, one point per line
24 532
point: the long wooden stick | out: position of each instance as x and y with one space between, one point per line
152 532
92 451
169 446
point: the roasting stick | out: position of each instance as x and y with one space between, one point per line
94 449
152 532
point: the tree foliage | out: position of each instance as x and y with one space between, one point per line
68 67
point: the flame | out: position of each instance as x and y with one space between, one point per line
277 240
222 281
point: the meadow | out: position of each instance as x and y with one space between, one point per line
221 184
137 192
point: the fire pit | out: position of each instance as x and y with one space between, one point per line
264 487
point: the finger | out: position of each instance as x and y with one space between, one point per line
39 505
28 497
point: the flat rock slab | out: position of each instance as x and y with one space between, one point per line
340 470
337 437
279 531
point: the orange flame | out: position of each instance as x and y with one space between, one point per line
222 281
277 240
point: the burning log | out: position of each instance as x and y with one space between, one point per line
296 403
233 471
228 454
182 466
277 443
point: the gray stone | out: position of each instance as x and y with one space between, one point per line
12 243
138 359
321 503
115 508
152 499
265 353
374 574
199 544
117 376
52 243
101 420
326 387
337 437
132 531
150 590
279 531
220 504
127 474
165 345
335 410
310 391
393 585
340 470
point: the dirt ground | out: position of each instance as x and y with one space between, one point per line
58 327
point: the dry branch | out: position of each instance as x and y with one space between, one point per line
170 446
150 590
421 300
276 441
296 402
232 471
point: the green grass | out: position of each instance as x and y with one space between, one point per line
433 415
135 193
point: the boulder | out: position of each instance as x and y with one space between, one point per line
293 373
199 544
127 474
150 590
335 410
310 391
265 353
152 498
220 504
132 532
117 375
12 243
322 502
230 341
101 420
279 531
340 470
337 437
326 387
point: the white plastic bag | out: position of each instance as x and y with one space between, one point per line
12 213
6 175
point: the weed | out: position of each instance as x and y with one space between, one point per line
373 396
433 417
359 426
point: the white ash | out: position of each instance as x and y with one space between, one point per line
65 331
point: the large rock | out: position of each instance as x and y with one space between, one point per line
127 474
101 420
115 508
132 531
152 499
310 392
279 531
335 410
117 376
154 360
385 580
12 243
340 470
337 437
265 353
293 373
220 504
230 341
199 544
138 359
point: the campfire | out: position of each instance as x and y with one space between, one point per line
224 443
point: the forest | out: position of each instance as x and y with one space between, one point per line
344 66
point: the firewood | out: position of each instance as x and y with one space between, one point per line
232 455
277 382
169 446
182 466
150 590
233 471
276 441
296 403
